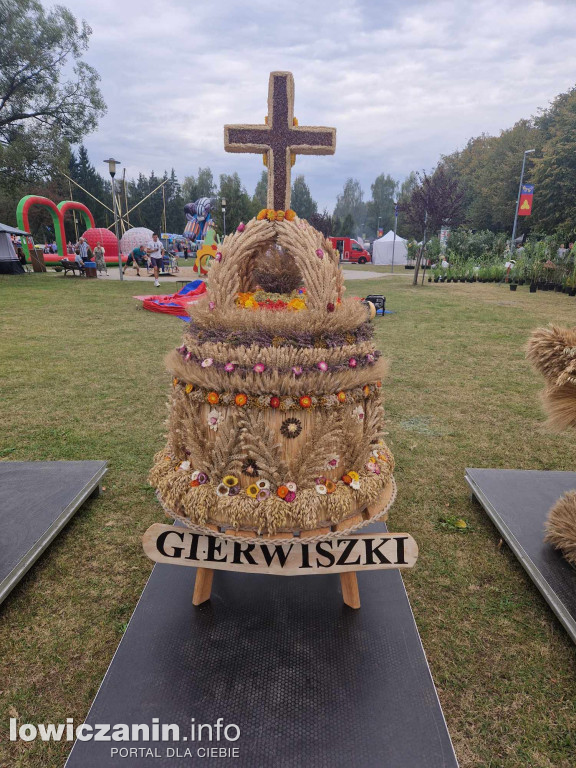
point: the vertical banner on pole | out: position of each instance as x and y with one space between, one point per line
526 197
444 232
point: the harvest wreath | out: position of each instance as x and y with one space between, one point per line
266 437
276 422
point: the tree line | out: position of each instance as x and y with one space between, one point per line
50 100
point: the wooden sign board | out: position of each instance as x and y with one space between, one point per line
365 551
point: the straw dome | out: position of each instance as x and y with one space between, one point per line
276 416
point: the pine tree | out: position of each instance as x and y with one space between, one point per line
238 203
259 199
302 201
350 202
81 170
195 187
381 207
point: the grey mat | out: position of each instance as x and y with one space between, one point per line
309 681
518 502
37 499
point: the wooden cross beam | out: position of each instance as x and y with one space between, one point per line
279 138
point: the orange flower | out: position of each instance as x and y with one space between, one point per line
262 214
213 398
174 382
366 390
282 491
378 384
290 215
330 486
194 484
341 396
305 401
188 388
280 215
241 399
271 215
347 479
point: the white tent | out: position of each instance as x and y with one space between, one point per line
9 262
382 250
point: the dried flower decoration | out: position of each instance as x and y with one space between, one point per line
215 418
358 412
250 468
291 427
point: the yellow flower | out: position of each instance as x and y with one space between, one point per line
271 215
230 481
354 475
252 491
174 382
188 388
280 215
297 304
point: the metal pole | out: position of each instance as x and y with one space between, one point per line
114 205
224 222
513 243
395 225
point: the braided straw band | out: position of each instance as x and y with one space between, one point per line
284 403
265 338
359 362
206 531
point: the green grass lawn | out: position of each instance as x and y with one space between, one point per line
83 378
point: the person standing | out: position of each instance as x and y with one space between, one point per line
156 252
84 252
99 254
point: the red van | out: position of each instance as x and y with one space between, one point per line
350 250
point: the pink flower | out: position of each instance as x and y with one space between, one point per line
290 496
320 253
218 257
207 362
229 367
297 370
182 349
211 306
370 357
241 227
323 365
259 368
352 362
188 356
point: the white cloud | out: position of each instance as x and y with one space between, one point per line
402 82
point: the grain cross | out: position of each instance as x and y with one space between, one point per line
279 138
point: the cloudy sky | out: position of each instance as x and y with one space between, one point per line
403 81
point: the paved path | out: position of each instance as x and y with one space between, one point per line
186 273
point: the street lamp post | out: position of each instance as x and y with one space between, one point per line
112 170
224 215
513 243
